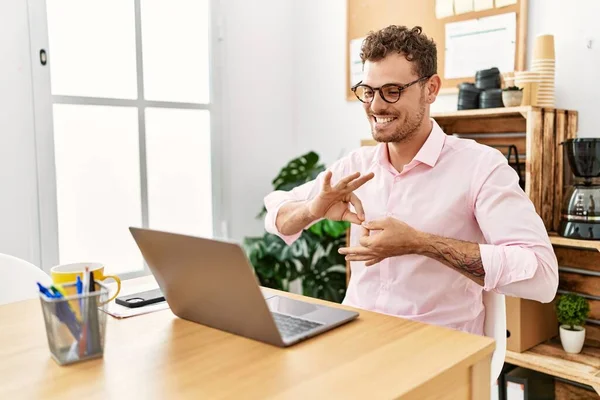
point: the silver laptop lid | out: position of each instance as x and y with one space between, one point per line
208 281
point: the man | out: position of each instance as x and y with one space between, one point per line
435 219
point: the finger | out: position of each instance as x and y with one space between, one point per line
351 217
360 181
375 224
364 232
373 262
355 201
344 181
327 181
361 257
365 241
354 250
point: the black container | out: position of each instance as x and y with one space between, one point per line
584 156
488 78
468 96
491 98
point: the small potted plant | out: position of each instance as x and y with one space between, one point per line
512 96
572 310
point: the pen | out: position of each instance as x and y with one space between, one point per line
84 312
66 315
79 285
58 291
45 291
93 338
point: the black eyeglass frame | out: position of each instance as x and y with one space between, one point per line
401 88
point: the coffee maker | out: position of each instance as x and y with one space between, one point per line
580 215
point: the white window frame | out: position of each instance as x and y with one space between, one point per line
44 135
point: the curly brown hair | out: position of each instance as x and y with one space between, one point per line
411 43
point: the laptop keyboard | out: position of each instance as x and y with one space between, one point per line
290 326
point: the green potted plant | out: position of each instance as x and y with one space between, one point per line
572 310
512 96
313 258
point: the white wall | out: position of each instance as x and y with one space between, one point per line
19 225
258 105
329 124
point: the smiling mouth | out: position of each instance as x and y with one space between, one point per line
382 120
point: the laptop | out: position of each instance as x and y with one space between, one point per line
211 282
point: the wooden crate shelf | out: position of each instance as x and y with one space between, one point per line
551 359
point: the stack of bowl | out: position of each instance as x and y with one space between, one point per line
487 79
543 63
468 96
491 98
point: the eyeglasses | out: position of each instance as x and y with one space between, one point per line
390 92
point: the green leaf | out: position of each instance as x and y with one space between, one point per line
317 228
298 171
335 228
572 309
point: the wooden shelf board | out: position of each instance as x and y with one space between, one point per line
494 112
582 244
551 359
484 112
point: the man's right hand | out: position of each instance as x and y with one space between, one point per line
333 202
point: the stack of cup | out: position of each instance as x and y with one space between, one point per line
528 81
544 64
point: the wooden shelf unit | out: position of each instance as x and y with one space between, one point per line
551 359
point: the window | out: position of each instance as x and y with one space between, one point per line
132 124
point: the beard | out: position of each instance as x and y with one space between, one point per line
406 131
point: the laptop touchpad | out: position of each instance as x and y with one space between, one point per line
289 306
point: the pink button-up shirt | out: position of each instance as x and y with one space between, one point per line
454 188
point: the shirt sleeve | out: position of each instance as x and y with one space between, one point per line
277 199
518 257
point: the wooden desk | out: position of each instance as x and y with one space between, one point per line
158 356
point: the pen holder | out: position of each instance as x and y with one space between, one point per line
75 325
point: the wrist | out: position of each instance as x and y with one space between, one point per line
307 214
422 243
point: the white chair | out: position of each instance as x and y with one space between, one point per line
18 279
495 327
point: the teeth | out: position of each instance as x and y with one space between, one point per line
383 120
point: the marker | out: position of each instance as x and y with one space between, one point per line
45 291
58 291
79 285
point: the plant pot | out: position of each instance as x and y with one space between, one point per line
512 98
572 341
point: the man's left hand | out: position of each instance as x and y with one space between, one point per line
381 239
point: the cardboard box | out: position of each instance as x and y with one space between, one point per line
529 323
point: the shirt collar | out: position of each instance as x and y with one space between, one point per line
428 154
432 148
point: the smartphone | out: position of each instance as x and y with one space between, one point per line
141 299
